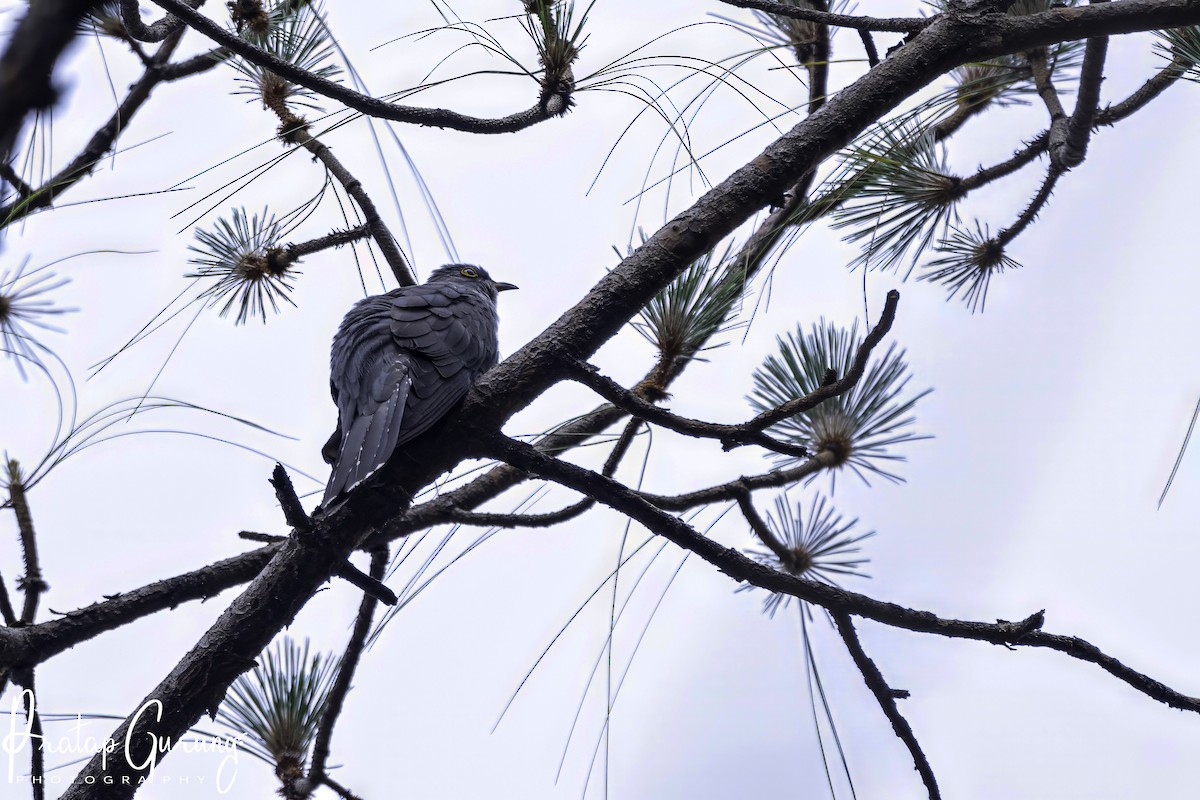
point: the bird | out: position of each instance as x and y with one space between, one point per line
401 361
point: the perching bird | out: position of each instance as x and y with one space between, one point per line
400 361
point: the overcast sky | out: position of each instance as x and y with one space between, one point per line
1056 417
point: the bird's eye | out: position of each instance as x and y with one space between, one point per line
467 272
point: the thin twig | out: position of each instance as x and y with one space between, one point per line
31 583
886 696
296 131
131 18
1004 237
885 24
868 43
371 106
6 607
761 529
1024 633
346 666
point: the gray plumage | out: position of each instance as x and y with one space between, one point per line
400 361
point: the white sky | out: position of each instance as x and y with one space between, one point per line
1057 415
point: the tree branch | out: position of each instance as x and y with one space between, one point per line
131 18
296 131
31 583
1005 237
886 25
1025 633
1071 151
886 697
730 436
7 614
371 106
346 667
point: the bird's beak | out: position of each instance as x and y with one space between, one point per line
504 287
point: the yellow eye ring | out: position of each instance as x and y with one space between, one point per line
467 272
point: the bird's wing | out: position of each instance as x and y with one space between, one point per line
370 380
448 332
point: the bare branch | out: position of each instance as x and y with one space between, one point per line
730 436
1073 148
6 608
31 583
1004 237
346 667
889 24
371 106
131 18
1026 633
838 387
297 131
886 696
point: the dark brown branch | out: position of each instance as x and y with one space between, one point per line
1025 633
131 18
346 667
1023 157
7 614
491 520
36 643
887 25
840 386
732 436
194 65
1073 147
296 131
762 530
1004 237
37 754
1148 91
371 106
734 489
285 493
868 43
338 789
886 698
31 583
294 252
1111 115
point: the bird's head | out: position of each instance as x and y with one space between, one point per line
469 274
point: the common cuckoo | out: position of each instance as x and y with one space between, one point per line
400 361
